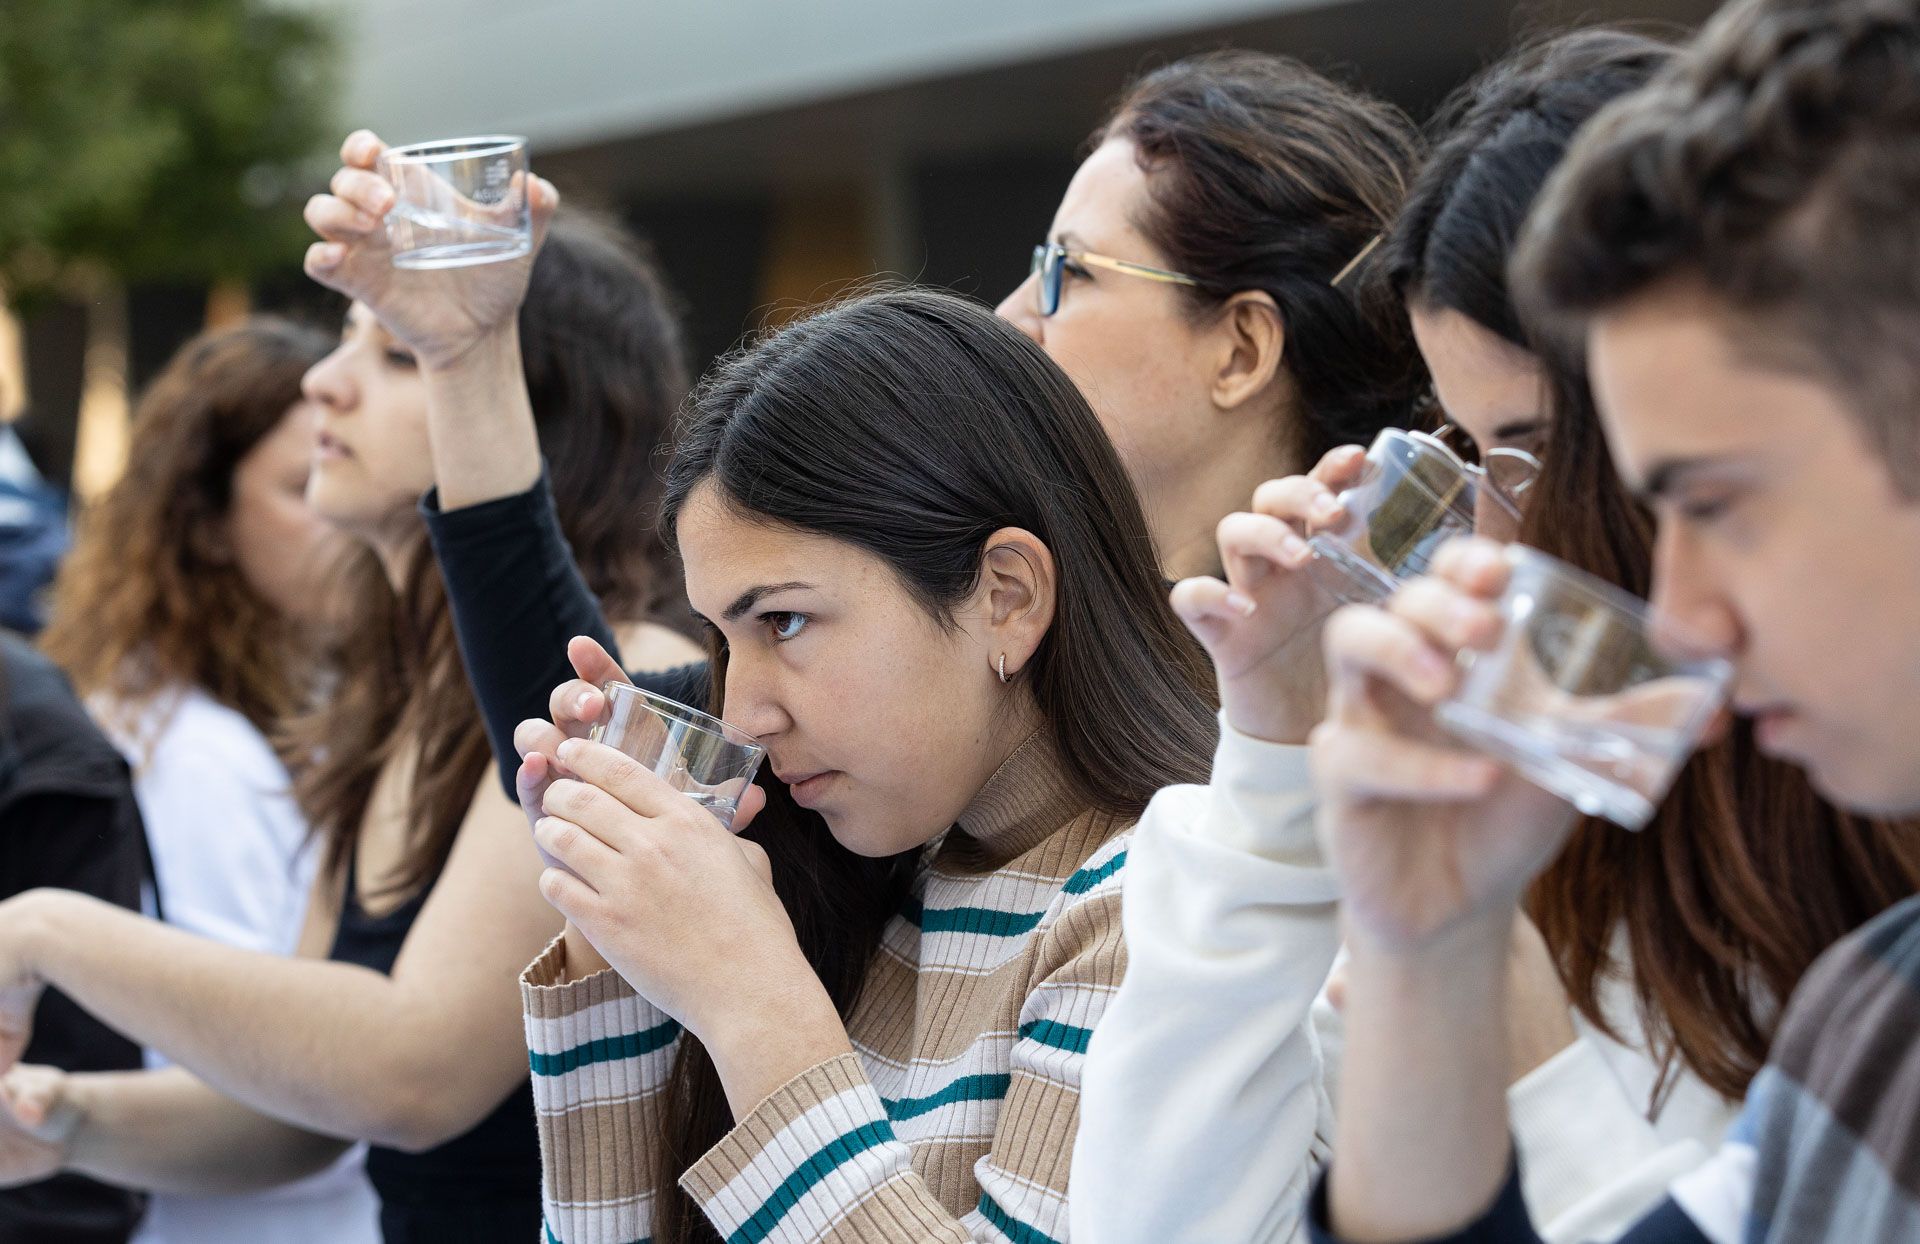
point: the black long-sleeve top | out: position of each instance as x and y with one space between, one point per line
67 820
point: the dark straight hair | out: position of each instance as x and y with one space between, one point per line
1264 174
1724 901
913 425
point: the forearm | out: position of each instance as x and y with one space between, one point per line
288 1037
1422 1143
480 421
167 1132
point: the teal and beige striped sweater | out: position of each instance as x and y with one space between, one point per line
954 1119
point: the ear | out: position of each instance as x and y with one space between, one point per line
1016 598
1252 340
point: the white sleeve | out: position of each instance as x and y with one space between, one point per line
230 856
1202 1115
1591 1164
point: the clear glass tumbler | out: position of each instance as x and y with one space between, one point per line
458 201
1587 694
1413 496
697 754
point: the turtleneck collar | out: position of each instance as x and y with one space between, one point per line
1022 804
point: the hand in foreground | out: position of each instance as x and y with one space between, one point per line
683 909
37 1121
1426 834
440 314
1262 624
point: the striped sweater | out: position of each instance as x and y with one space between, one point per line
954 1120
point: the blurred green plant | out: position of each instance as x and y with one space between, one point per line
155 139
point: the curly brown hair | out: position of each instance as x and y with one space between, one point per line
1777 163
148 599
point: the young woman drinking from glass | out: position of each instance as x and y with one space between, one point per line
193 613
1674 945
933 598
398 1025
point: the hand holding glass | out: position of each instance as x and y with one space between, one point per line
1414 494
1587 693
699 755
458 201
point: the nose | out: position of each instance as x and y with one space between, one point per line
1684 591
1020 309
329 383
752 698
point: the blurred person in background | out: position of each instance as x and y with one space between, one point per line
67 818
190 614
399 1023
33 536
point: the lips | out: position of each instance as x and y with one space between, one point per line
807 787
326 445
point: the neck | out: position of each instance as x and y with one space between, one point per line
1183 514
391 548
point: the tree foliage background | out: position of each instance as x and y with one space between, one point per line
155 139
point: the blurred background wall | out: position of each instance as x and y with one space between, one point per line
775 150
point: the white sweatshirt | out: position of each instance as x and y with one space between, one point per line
1205 1108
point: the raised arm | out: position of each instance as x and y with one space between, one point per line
1434 847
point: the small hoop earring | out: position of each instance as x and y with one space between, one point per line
1003 667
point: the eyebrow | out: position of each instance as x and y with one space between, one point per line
754 595
1665 476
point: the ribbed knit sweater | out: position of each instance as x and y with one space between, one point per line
954 1119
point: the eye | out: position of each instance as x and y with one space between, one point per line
1703 509
1072 268
399 358
785 625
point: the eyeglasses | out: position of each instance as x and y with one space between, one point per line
1050 260
1509 473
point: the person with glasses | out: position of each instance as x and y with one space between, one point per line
1208 283
1670 943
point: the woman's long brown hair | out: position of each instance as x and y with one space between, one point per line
150 598
605 369
913 425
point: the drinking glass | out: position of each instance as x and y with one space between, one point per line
1413 496
1587 694
704 758
458 201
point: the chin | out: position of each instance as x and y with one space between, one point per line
1864 785
864 838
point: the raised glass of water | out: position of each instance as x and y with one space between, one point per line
458 201
1587 694
1413 496
699 755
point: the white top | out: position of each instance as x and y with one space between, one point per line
1205 1111
230 864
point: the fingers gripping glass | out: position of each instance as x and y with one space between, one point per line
1588 693
706 759
1050 260
1414 494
